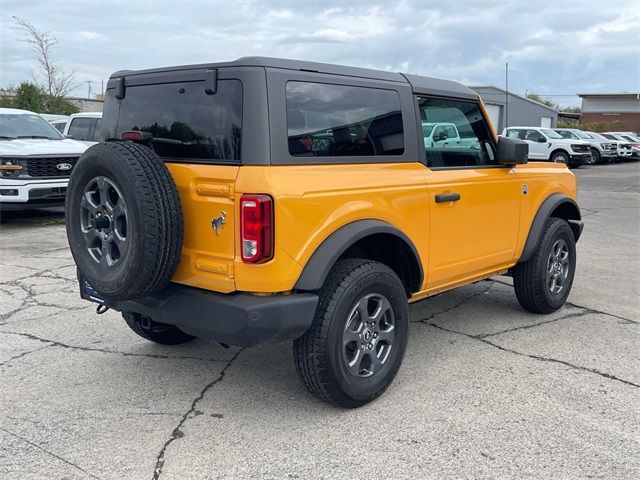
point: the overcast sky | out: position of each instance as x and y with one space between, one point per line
553 47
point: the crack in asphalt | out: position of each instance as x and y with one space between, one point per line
31 295
64 460
600 312
536 357
483 338
177 432
55 343
533 325
23 354
457 305
589 309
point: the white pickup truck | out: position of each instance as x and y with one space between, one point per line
35 161
547 145
84 127
443 135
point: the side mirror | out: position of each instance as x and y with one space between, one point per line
541 140
512 151
68 136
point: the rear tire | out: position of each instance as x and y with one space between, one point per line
124 220
156 332
357 341
542 283
596 158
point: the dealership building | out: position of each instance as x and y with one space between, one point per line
506 107
622 108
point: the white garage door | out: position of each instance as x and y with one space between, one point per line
545 122
494 114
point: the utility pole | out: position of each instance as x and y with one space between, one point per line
506 95
89 82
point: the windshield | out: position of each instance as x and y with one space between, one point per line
581 134
566 134
550 133
596 136
26 126
613 136
427 128
631 138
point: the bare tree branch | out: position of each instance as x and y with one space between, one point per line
57 82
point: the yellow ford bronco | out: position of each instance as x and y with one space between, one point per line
263 200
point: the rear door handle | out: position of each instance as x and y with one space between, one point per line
447 197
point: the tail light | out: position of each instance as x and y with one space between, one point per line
256 228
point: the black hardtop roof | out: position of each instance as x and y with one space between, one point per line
419 84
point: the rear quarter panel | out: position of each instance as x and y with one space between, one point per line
312 201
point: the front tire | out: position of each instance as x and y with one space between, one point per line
560 157
596 158
358 338
542 283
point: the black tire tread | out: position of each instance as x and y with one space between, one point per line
529 292
161 216
311 350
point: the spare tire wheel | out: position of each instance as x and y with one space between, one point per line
124 220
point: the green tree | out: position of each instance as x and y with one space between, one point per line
35 99
7 102
30 97
60 106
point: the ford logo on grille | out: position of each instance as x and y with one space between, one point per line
64 166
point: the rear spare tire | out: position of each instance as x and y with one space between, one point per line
124 220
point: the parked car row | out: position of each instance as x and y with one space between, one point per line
575 147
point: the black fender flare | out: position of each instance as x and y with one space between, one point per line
570 213
322 260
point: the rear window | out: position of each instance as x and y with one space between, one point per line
87 129
185 122
326 120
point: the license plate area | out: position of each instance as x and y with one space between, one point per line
88 293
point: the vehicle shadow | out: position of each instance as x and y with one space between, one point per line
36 216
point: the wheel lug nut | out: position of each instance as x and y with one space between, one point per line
375 335
370 346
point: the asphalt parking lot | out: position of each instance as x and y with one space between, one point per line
486 390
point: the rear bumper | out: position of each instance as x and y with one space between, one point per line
237 319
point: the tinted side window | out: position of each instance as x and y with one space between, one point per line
534 136
60 126
97 129
340 121
516 133
466 141
82 128
184 121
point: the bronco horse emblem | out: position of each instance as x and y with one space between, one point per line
218 222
